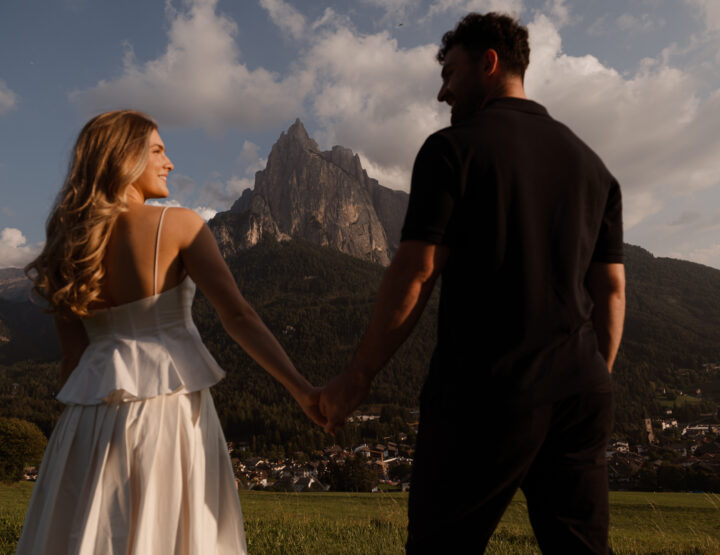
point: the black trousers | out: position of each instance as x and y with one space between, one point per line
470 461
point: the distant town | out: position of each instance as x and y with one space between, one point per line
676 456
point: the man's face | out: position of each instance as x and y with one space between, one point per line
463 85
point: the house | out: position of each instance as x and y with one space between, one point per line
619 447
698 430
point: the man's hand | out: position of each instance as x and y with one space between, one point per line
341 396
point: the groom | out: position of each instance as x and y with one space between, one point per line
523 222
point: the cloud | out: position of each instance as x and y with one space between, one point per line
205 212
14 252
285 16
236 185
8 99
654 130
644 23
559 12
598 27
250 156
217 193
200 79
181 184
382 105
710 12
686 218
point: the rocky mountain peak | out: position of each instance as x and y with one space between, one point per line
291 143
325 197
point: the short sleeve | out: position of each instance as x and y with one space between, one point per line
434 191
609 245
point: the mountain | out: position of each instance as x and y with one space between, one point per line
25 331
324 197
14 286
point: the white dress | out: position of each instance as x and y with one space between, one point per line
138 462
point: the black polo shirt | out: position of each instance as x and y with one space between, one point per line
524 207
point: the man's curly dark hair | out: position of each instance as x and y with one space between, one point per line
476 33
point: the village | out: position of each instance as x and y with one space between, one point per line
672 457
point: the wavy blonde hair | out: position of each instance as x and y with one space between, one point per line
110 153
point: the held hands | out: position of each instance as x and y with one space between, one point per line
341 396
309 402
330 406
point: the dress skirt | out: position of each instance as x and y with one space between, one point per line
148 476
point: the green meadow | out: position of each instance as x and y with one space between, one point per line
363 523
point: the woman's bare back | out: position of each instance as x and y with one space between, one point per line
130 257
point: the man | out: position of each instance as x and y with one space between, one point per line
523 222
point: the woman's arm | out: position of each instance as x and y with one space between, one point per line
203 261
73 341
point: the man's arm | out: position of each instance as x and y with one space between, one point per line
606 285
403 293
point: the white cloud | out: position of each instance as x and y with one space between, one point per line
559 12
250 156
382 105
14 252
285 16
710 11
217 193
237 185
8 99
200 80
654 130
204 212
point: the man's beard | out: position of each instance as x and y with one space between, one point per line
465 110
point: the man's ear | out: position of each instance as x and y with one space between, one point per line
490 62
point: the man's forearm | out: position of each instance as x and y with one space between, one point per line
400 302
404 291
608 320
606 285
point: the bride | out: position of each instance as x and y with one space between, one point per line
137 462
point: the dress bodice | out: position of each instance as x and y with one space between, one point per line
142 349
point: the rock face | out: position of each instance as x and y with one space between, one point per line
14 286
325 197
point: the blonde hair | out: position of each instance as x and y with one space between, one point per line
110 153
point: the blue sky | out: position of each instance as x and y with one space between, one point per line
638 81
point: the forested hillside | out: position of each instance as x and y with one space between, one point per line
318 302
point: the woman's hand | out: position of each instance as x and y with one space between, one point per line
309 401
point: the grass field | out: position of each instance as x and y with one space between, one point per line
329 523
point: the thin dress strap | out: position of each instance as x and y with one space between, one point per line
157 249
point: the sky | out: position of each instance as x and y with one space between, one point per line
637 80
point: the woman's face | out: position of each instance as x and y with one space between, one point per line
153 181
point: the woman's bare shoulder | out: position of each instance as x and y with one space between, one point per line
183 224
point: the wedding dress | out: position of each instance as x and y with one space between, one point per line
137 462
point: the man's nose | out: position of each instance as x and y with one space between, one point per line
441 93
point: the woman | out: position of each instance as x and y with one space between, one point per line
137 462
